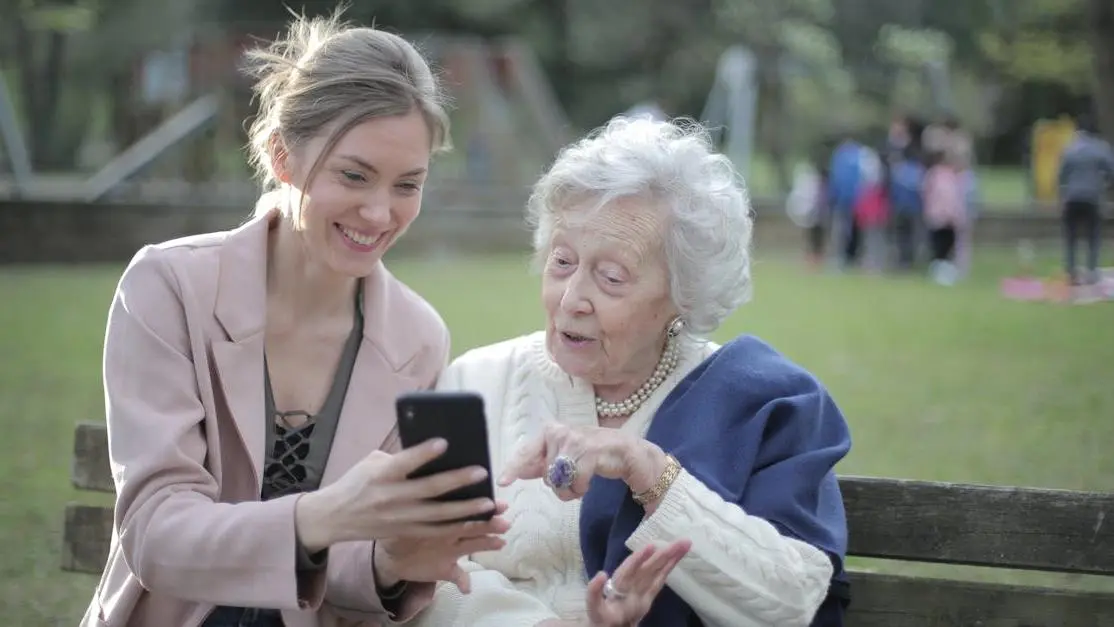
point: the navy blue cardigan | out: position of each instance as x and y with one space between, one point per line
759 431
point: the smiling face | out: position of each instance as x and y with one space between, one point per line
365 193
605 288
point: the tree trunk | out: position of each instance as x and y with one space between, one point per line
42 64
773 115
1101 14
44 119
557 64
28 83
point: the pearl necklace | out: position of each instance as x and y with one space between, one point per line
666 365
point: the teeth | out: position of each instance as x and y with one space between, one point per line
355 236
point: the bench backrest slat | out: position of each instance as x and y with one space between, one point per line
91 469
1025 528
879 600
86 538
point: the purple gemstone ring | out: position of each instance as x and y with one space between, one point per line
561 472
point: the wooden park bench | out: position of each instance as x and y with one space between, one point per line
914 521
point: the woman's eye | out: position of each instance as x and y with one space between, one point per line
354 177
410 187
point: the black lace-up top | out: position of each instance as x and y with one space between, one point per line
301 441
300 444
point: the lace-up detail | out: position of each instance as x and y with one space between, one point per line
285 470
300 441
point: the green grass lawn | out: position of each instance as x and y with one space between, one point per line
948 384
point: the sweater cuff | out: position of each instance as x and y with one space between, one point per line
672 519
408 599
307 562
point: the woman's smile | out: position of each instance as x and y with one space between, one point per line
359 241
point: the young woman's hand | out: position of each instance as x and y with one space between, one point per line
375 500
432 559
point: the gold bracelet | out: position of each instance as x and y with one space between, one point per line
668 476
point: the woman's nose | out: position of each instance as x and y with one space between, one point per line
576 300
376 208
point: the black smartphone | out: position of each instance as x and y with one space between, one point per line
460 419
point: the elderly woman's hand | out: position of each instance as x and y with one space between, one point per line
567 457
623 599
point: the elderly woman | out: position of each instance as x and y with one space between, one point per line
618 428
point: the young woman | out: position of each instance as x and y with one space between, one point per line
250 376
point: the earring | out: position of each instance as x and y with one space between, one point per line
675 327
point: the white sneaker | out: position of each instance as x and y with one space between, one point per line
944 273
1085 295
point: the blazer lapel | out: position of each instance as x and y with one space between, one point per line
241 308
367 419
240 370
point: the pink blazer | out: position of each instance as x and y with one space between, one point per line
183 377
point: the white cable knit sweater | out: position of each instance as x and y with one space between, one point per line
740 572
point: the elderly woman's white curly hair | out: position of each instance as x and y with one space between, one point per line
673 167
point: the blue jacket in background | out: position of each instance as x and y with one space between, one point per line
844 177
971 187
1086 169
907 187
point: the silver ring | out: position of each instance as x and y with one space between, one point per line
561 472
611 593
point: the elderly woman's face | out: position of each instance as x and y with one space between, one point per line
606 292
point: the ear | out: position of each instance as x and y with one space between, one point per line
281 161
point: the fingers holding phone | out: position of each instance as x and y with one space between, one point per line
375 500
443 495
459 420
449 484
426 506
437 558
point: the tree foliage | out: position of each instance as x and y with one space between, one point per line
1041 40
603 57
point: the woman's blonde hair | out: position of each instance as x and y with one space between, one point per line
324 75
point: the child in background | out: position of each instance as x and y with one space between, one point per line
906 201
945 211
807 207
871 210
818 232
965 237
845 184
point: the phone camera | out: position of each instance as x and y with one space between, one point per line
408 413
